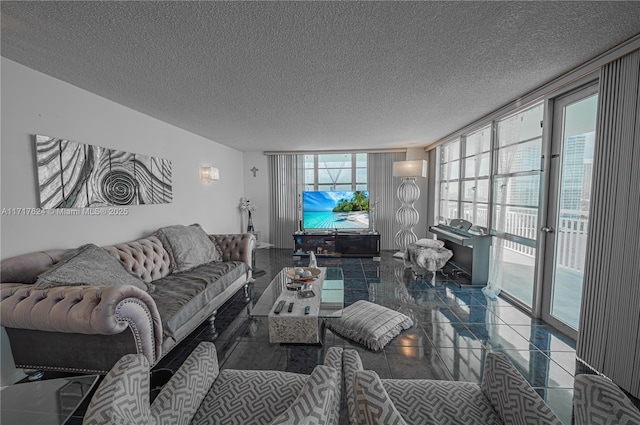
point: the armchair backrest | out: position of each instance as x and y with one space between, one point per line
510 394
598 400
181 397
123 396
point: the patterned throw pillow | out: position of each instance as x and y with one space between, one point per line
188 247
373 403
370 324
88 265
315 401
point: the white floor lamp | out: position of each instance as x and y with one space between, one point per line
408 192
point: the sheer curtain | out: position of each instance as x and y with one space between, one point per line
286 176
515 203
382 193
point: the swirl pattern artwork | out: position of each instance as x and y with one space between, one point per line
77 175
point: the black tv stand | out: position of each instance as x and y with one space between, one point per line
337 244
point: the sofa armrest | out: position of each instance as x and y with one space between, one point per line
598 400
236 247
123 396
515 401
102 310
181 397
351 364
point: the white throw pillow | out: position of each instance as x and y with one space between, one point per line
429 243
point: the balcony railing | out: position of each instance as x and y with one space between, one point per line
571 234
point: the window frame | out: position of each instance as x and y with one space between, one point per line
336 186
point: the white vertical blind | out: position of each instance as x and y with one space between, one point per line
287 183
609 337
382 189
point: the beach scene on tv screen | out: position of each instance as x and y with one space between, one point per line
335 210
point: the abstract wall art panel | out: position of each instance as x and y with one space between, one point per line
77 175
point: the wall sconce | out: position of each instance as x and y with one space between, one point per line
209 174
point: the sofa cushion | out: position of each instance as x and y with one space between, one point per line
188 247
370 324
247 397
180 296
421 401
88 265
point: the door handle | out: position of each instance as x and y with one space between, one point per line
547 229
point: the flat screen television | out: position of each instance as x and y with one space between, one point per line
335 210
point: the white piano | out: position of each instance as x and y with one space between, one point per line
471 251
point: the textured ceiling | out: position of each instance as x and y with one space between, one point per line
312 75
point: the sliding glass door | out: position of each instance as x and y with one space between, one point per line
567 221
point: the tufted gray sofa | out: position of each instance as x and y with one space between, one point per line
89 328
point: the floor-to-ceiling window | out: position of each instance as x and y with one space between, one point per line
474 195
501 197
516 200
335 172
495 177
449 181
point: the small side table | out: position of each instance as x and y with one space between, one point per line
259 245
51 401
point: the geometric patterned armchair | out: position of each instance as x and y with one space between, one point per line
598 401
200 394
503 397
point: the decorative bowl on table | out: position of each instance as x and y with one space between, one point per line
303 274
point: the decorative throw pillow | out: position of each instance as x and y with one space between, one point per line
314 403
88 265
370 324
429 243
374 405
188 246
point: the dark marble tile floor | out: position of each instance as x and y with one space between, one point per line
454 329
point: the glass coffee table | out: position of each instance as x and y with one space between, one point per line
51 401
296 327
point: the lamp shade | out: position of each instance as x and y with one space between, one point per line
415 168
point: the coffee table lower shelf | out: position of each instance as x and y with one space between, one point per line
296 327
294 330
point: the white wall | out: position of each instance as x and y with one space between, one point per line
257 190
34 103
